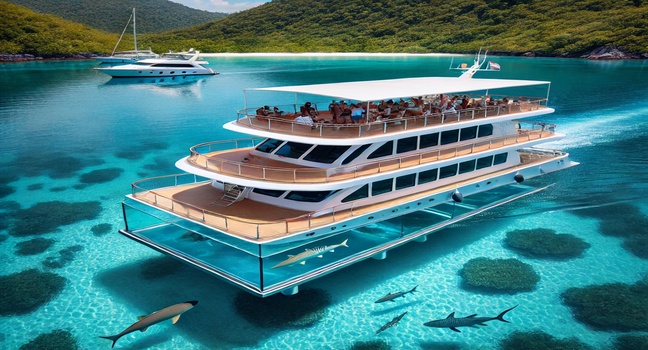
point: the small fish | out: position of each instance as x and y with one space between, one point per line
392 296
310 253
391 323
173 311
468 321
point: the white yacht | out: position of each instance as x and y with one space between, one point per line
159 67
130 56
301 199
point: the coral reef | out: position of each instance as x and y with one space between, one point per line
370 345
65 257
56 340
279 311
538 340
28 290
631 342
101 176
51 215
6 190
35 187
34 246
545 243
498 276
56 165
101 229
637 245
610 307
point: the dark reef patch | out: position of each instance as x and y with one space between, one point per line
538 340
56 340
28 290
56 165
160 166
370 345
6 190
3 238
160 267
630 342
498 276
9 206
101 229
34 246
637 245
101 176
610 307
545 243
279 311
58 189
35 187
65 257
46 217
130 154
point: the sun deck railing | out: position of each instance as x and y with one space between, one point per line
328 129
241 168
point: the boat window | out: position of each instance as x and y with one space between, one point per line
172 65
309 196
268 145
326 154
383 151
485 130
407 144
448 171
355 154
405 181
466 167
449 136
500 158
427 176
271 193
293 149
362 192
429 140
380 187
468 133
484 162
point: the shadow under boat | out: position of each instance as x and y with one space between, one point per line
160 81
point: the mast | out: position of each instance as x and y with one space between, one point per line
135 31
124 31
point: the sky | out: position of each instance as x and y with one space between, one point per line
226 6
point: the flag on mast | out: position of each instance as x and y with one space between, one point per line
493 65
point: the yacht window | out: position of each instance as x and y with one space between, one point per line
466 167
326 154
293 149
468 133
405 181
500 158
448 171
429 140
407 144
355 154
427 176
485 130
309 196
271 193
383 151
380 187
362 192
449 136
484 162
268 145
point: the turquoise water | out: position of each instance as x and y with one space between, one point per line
63 125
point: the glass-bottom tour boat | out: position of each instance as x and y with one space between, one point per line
307 195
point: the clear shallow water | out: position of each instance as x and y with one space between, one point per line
61 120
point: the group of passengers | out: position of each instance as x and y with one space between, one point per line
355 113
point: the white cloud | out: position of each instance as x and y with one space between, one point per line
222 5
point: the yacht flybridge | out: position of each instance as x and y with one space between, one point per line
345 172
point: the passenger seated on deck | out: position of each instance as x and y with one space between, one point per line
265 111
306 120
277 112
356 113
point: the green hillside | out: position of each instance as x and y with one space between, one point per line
26 32
546 27
153 16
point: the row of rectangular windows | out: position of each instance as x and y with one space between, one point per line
399 183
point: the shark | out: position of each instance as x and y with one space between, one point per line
392 296
171 312
391 323
468 321
310 253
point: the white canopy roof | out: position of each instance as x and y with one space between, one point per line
395 88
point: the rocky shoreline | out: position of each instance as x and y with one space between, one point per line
601 53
